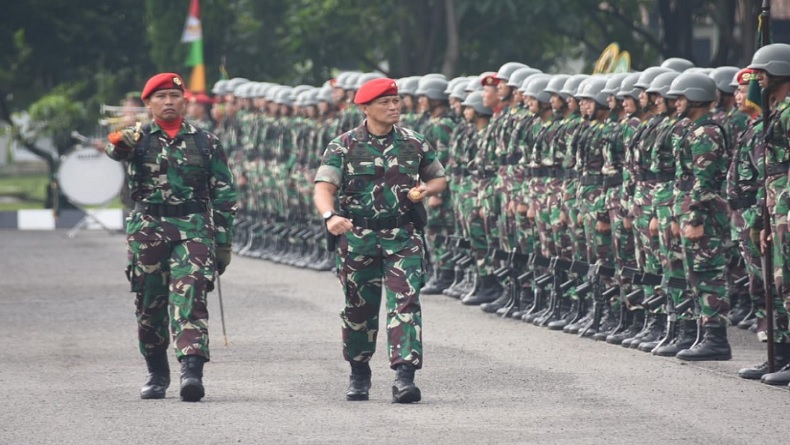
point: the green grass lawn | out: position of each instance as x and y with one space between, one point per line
28 192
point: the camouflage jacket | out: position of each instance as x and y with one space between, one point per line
172 174
374 175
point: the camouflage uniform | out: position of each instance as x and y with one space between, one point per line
171 258
373 176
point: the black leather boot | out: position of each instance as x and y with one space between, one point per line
489 290
359 382
714 346
192 378
781 359
637 322
443 280
685 336
158 377
497 304
656 329
403 389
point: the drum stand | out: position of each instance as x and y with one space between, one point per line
83 223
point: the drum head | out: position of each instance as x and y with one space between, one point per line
89 177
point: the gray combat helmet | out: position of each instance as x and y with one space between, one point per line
432 88
299 89
474 84
350 82
648 75
408 86
527 80
310 97
572 85
723 76
660 85
506 70
613 84
219 87
518 76
475 100
556 83
774 59
341 79
537 89
696 87
285 96
678 64
234 83
453 83
592 90
627 88
459 92
325 95
436 76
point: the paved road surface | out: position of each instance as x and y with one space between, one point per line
70 372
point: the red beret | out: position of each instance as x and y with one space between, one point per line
201 98
745 76
162 81
373 89
489 79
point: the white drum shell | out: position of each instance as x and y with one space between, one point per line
89 177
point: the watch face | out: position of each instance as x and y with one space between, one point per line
328 214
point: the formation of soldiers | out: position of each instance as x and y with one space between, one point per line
627 208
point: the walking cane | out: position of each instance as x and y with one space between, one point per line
221 310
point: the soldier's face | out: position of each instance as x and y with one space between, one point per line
629 105
503 91
384 110
490 98
644 99
612 102
740 94
167 105
533 104
338 94
573 104
661 104
556 102
469 114
762 78
424 104
682 104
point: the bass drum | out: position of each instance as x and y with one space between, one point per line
89 177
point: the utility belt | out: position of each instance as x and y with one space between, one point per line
743 202
612 181
655 177
171 210
778 169
570 174
387 223
591 180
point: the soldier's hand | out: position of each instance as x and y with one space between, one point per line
511 208
522 208
602 227
654 226
693 233
563 218
435 201
129 137
222 255
531 212
337 225
764 238
418 193
481 213
675 227
628 223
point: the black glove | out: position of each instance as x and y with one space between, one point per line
222 253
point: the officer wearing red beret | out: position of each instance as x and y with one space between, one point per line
178 234
380 173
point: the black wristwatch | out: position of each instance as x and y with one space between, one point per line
328 214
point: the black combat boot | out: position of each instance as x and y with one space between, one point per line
489 290
497 304
778 378
685 336
192 378
403 389
459 275
359 382
158 377
637 322
656 329
781 359
442 281
714 346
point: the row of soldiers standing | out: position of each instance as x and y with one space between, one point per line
623 207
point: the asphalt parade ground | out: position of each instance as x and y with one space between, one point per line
70 372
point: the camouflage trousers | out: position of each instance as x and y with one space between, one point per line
671 252
489 202
622 247
705 261
171 280
781 264
369 262
441 224
474 228
647 247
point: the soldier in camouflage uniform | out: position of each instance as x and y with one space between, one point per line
702 213
179 234
772 64
372 169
